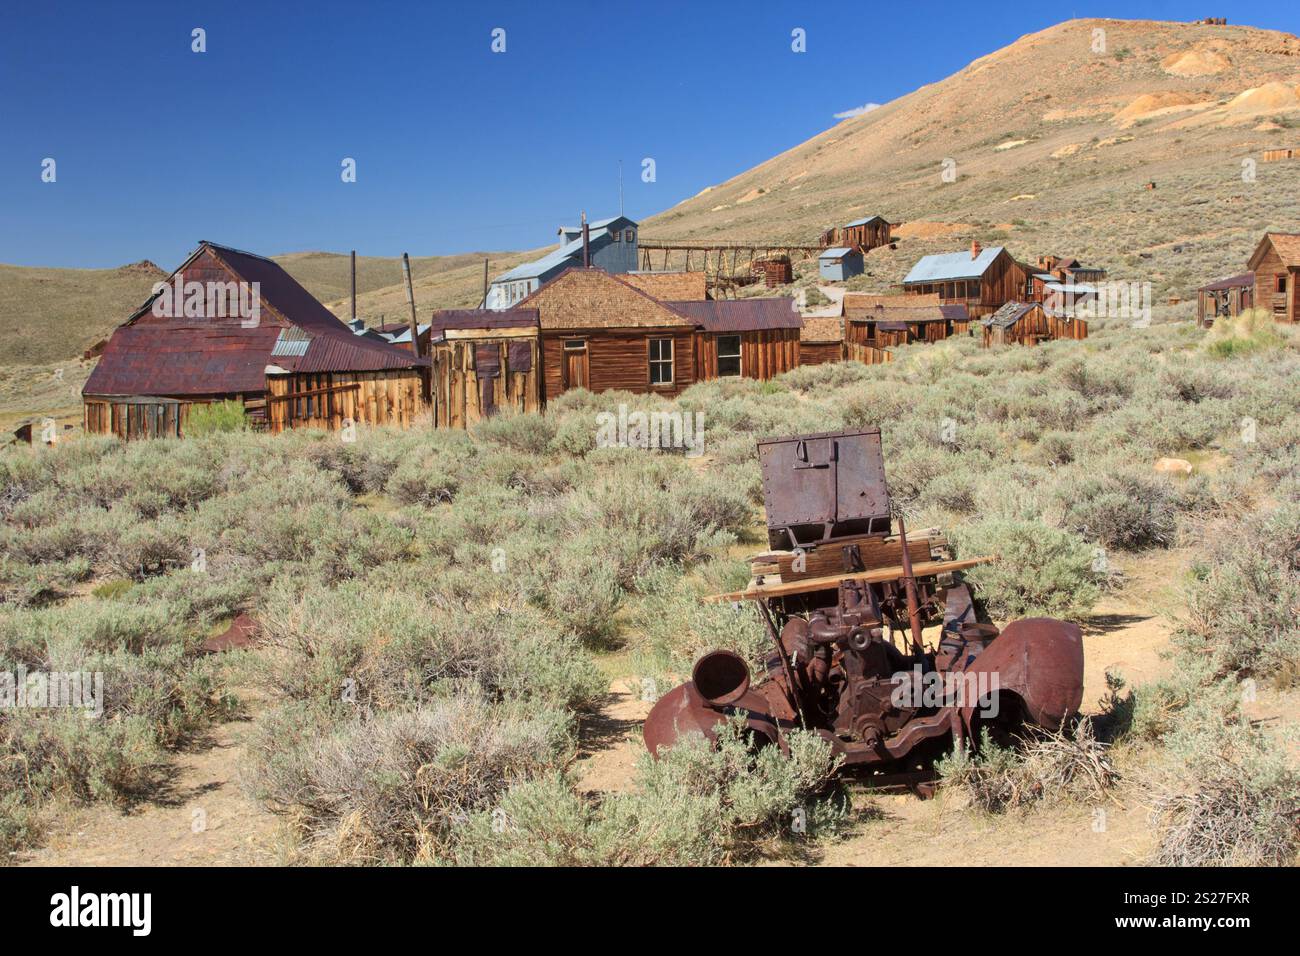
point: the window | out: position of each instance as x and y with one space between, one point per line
575 345
1281 283
661 361
618 236
728 355
629 235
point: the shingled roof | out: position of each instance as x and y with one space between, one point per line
1009 314
669 286
1285 244
859 303
201 355
593 299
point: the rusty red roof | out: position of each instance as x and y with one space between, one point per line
444 319
153 355
1232 282
741 315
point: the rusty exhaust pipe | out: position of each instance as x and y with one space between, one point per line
721 678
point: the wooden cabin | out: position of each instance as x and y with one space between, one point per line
1276 265
747 338
884 321
982 279
670 286
599 332
1028 323
862 234
484 362
839 263
773 271
231 325
1225 298
821 340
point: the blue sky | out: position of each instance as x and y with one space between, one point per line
457 148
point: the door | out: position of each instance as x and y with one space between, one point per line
576 368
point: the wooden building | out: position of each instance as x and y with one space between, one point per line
670 286
1225 298
982 279
1028 323
839 263
1276 265
747 338
884 321
599 332
773 271
231 325
862 234
821 340
484 362
608 244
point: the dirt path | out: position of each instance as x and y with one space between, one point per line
201 817
610 741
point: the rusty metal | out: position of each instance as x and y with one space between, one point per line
834 668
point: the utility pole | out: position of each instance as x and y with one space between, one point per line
410 297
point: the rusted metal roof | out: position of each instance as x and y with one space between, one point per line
1232 282
152 355
741 315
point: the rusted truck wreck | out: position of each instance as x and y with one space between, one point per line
846 603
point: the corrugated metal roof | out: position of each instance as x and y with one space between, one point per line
741 315
863 221
291 341
1232 282
567 254
835 252
445 319
950 266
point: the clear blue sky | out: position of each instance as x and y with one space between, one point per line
457 148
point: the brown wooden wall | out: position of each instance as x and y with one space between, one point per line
328 399
134 417
764 353
1281 305
819 353
459 395
618 359
866 354
1034 327
1223 303
1003 282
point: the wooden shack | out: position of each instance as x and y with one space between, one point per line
232 325
866 233
599 332
1280 154
885 321
1225 298
746 338
982 279
821 340
1028 323
773 271
484 362
1276 265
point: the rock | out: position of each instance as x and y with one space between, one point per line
1174 465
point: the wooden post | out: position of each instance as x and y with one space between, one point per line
410 296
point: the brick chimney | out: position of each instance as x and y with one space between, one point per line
975 248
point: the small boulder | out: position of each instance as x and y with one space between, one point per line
1174 465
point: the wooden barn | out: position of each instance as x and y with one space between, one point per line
821 340
233 325
1028 323
982 279
599 332
1276 265
748 338
1225 298
483 362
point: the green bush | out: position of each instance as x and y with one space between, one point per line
1039 570
209 419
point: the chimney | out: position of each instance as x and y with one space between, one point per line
586 243
975 248
354 287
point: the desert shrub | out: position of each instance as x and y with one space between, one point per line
531 434
1242 600
208 419
696 805
1227 796
1124 511
578 588
1044 766
1250 332
1039 570
424 481
393 785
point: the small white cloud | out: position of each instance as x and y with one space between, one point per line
858 110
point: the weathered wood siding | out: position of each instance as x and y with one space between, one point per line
460 398
135 417
819 353
618 359
1281 305
764 353
867 354
1002 282
330 399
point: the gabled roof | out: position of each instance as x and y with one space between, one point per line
860 302
666 286
741 315
838 252
822 328
152 355
863 221
595 224
1232 282
898 308
1009 314
950 266
1285 244
568 254
593 299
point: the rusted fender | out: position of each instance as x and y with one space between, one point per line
719 689
1039 659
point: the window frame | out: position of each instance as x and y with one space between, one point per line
652 362
738 355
